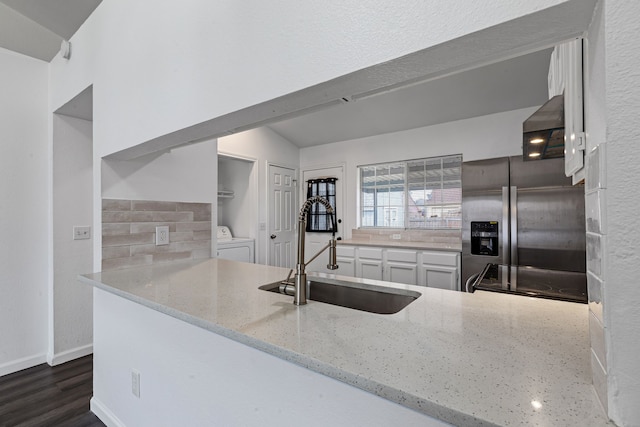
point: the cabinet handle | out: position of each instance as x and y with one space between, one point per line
273 236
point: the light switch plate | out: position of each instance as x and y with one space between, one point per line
162 235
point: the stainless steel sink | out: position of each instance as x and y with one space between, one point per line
371 298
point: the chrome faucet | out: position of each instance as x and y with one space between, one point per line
299 287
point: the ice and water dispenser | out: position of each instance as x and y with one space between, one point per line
484 238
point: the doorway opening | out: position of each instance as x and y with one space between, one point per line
70 303
237 208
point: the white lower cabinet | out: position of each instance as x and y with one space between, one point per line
346 258
369 269
440 270
401 266
436 269
437 276
401 272
346 267
369 263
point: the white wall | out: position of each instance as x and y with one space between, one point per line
24 211
265 146
71 334
477 138
186 174
621 294
186 371
186 63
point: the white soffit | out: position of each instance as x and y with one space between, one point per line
37 27
520 36
22 35
80 107
504 86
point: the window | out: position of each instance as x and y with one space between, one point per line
318 220
414 194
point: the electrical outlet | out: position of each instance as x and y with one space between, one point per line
135 383
81 233
162 235
396 236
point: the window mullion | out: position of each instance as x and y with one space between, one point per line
424 191
375 197
406 196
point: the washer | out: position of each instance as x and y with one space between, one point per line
234 248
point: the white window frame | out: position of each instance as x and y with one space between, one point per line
443 224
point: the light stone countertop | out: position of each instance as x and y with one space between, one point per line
469 359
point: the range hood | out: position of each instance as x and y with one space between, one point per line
543 132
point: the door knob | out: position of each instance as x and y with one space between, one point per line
273 236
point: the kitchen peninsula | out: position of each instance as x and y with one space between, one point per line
205 346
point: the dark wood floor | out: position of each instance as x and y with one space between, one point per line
49 396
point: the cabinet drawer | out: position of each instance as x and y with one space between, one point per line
402 256
370 253
346 251
441 258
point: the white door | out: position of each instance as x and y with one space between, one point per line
315 241
282 217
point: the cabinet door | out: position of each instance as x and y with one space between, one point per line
401 273
369 269
346 267
438 276
573 107
565 76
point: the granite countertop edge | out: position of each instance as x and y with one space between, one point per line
423 403
398 396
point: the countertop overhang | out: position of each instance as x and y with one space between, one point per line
468 359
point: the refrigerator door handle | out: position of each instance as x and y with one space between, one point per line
505 226
513 201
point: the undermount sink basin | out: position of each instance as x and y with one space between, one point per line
371 298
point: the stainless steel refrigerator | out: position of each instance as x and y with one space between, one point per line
525 214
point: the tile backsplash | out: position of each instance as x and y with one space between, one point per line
596 222
129 226
370 235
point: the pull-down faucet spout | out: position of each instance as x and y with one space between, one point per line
299 287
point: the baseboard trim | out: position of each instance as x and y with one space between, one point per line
24 363
105 415
66 356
